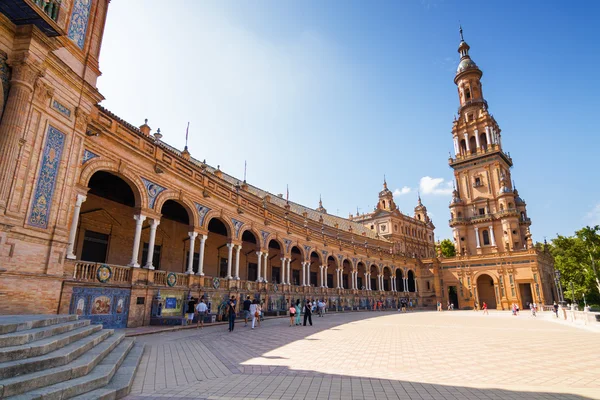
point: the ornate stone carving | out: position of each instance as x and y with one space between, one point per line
82 119
24 70
42 92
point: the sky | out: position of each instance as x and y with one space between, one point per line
330 97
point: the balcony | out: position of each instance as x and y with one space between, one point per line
511 212
42 13
489 150
472 102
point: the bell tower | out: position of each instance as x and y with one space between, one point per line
487 214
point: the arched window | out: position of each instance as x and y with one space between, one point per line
501 207
463 147
467 94
383 203
477 182
419 216
486 238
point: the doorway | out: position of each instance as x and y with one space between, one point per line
453 296
526 294
486 291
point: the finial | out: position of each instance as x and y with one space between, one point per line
461 33
320 201
384 182
146 121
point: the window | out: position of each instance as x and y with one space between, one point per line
428 285
467 94
486 238
95 246
419 216
482 211
252 271
395 228
223 267
477 182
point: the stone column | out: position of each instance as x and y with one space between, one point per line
14 120
456 148
266 263
229 259
73 232
153 225
308 273
366 285
466 136
190 266
415 278
303 283
258 277
238 248
492 237
341 278
325 276
283 271
289 271
201 261
477 139
320 275
487 135
477 237
139 220
405 285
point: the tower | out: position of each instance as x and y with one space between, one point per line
386 199
487 214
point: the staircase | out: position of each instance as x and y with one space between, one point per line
62 357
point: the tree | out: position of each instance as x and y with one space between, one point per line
447 248
576 258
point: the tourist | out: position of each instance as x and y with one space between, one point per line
201 308
191 309
230 312
451 306
403 306
262 314
320 307
448 306
298 312
485 309
308 312
517 308
247 303
292 314
514 309
556 309
254 312
410 305
259 307
533 307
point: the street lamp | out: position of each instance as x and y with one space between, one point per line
572 296
561 299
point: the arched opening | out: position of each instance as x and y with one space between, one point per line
473 144
483 141
467 94
215 249
486 237
249 266
296 264
314 270
360 279
275 255
463 147
411 281
486 291
107 213
373 271
387 282
346 274
171 249
331 266
399 280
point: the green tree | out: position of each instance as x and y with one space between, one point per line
447 248
576 258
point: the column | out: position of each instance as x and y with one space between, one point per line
393 283
139 220
456 148
258 277
266 274
201 261
487 135
238 248
492 237
415 284
477 237
320 275
153 225
366 285
192 235
325 276
283 270
466 136
477 139
341 278
308 273
14 119
73 232
405 284
229 259
356 280
289 271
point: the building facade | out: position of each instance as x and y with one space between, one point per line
102 218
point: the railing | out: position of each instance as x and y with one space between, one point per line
471 102
50 7
491 148
161 278
87 271
500 214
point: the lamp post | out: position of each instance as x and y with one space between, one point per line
572 296
561 299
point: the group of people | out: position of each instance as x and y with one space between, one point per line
449 306
253 310
310 307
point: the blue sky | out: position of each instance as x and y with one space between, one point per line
330 96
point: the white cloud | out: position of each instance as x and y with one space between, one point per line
592 218
436 186
400 192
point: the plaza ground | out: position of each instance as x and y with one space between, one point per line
375 355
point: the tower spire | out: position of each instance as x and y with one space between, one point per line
462 39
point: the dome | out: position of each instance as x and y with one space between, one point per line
464 64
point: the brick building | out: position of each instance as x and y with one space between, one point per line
104 219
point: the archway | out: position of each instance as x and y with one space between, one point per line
399 280
277 267
387 281
297 258
346 274
331 266
216 251
170 246
314 269
373 273
485 291
360 279
411 281
106 214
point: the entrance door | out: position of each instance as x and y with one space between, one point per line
95 245
486 291
453 296
526 295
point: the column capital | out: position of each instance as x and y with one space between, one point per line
259 253
238 247
192 235
80 199
203 238
230 246
266 254
139 217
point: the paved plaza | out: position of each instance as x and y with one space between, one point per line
375 355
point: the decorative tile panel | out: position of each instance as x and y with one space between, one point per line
153 189
265 235
341 260
106 306
88 155
202 211
4 76
324 253
61 108
46 181
307 251
354 262
79 21
287 243
237 225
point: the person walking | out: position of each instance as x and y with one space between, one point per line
230 312
533 307
485 310
254 312
321 307
298 312
292 314
201 309
247 303
191 310
308 312
259 307
556 309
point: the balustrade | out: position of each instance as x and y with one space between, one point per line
88 271
50 7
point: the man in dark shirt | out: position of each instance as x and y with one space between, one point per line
308 312
191 308
247 303
230 312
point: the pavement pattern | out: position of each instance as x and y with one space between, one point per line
375 355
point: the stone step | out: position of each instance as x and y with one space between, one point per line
30 335
75 369
16 323
121 382
44 346
83 340
98 377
